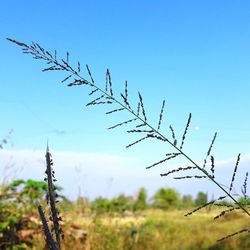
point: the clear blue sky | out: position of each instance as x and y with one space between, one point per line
193 54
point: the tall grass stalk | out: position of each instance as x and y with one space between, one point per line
106 96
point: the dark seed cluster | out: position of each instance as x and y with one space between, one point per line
52 199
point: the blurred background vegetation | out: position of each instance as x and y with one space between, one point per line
123 222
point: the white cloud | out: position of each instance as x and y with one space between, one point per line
94 173
108 175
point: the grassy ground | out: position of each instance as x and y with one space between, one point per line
152 229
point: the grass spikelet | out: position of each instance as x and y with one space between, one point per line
93 91
141 125
18 43
185 131
161 138
225 212
43 51
67 57
99 100
50 56
114 110
163 160
223 205
109 82
55 55
122 123
125 100
190 177
77 82
126 90
52 68
234 173
199 208
78 67
244 187
173 135
132 144
90 75
209 150
212 166
138 109
161 115
142 106
205 205
66 78
68 66
245 230
125 96
93 102
140 131
179 169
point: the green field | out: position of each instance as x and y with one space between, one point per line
149 229
153 229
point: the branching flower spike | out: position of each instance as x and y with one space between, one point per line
142 126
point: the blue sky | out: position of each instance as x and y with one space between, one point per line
193 54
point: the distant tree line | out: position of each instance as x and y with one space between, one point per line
32 192
164 198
